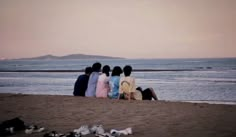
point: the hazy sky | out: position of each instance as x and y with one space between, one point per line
123 28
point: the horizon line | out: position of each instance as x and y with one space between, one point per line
29 58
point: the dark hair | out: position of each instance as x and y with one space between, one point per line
127 70
88 70
139 89
96 67
106 69
116 71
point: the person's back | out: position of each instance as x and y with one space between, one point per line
128 88
114 85
82 83
127 83
131 93
102 86
103 83
114 82
92 82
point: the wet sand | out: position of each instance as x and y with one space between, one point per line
147 118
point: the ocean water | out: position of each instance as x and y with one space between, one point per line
205 80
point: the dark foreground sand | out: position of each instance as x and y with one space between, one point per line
147 118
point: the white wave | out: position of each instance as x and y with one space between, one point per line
231 80
193 61
213 102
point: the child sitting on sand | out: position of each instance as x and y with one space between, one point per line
114 82
82 83
103 83
93 78
127 87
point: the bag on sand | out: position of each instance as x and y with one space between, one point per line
9 126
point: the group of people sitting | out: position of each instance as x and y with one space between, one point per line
101 85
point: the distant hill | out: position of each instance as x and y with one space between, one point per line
71 56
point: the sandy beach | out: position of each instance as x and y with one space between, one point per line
147 118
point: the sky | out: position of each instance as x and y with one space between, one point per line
118 28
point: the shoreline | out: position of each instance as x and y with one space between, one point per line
64 113
217 102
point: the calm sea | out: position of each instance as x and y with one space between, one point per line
212 80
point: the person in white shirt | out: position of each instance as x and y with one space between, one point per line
93 78
128 88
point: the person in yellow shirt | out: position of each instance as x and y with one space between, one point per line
128 88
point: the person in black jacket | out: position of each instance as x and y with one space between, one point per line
81 83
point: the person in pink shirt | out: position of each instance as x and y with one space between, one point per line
103 83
